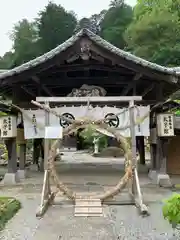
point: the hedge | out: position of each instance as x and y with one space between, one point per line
8 208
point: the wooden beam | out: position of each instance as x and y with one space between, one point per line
75 82
159 91
28 91
145 70
37 80
131 84
93 55
90 99
89 66
94 79
148 89
4 91
97 57
72 58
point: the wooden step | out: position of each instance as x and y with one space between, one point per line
88 207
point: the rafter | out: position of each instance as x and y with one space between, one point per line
28 91
145 70
74 81
89 66
37 80
148 89
131 84
72 58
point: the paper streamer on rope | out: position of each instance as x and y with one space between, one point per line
81 112
30 131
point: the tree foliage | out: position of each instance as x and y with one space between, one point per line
88 135
6 62
115 22
171 210
55 25
150 30
155 32
25 42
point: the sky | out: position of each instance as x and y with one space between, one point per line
12 11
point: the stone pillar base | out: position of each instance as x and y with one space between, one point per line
21 174
10 179
161 179
164 180
153 175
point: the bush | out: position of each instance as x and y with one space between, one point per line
88 134
171 210
3 151
8 208
111 152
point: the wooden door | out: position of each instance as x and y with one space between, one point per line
173 156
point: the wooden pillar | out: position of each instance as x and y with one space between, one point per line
159 155
163 164
11 175
22 156
133 142
12 155
36 152
141 149
46 141
132 130
153 156
153 141
22 161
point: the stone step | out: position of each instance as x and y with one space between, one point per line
87 207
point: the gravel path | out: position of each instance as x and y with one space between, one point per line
128 225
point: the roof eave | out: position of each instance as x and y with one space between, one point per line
99 41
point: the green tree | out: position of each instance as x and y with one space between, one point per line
155 32
116 3
25 38
6 62
115 22
93 23
89 133
84 23
55 25
97 19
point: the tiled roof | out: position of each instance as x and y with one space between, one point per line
3 70
99 41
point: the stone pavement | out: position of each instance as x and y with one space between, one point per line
83 160
119 222
59 223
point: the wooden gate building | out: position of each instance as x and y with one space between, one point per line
88 59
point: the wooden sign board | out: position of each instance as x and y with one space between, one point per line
165 125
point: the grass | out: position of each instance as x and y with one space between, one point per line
8 208
177 186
